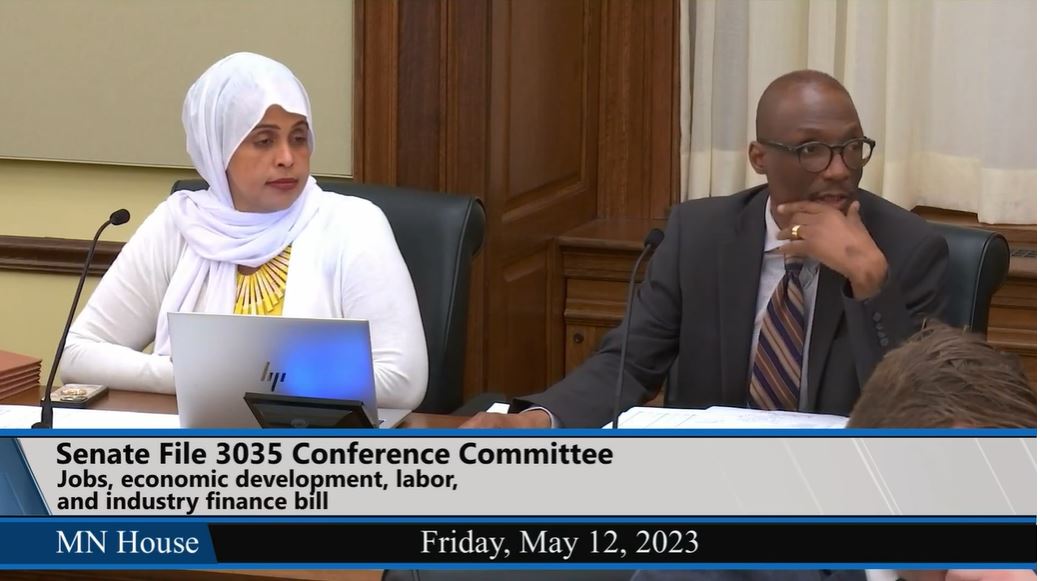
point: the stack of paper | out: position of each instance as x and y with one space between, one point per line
720 417
17 373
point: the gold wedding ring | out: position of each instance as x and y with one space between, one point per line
794 231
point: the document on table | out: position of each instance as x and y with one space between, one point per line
13 417
721 417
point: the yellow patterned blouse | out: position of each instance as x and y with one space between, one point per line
262 292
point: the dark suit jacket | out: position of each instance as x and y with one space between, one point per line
696 308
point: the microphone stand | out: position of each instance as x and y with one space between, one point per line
46 403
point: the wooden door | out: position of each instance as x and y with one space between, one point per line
542 175
553 112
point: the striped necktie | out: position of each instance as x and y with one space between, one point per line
776 374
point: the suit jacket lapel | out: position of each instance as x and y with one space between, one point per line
827 312
740 266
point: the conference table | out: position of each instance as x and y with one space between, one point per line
167 404
160 403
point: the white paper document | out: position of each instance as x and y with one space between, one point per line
14 417
720 417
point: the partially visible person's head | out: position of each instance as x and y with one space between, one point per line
247 120
946 378
969 575
805 107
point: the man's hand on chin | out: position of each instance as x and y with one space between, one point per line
528 419
839 241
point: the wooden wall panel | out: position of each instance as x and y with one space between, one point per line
639 130
466 92
518 321
554 112
541 177
545 101
375 91
55 255
421 79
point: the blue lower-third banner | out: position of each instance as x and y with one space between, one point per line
622 542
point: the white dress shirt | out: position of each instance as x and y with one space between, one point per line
771 275
344 265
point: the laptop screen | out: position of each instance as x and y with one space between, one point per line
219 358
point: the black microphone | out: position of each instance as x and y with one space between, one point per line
118 217
652 240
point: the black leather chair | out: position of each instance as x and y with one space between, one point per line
979 261
438 234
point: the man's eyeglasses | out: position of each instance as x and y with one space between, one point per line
815 156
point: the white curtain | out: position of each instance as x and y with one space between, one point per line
947 87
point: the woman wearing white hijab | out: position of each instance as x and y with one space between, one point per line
263 239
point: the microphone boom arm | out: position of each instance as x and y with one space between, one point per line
653 239
46 404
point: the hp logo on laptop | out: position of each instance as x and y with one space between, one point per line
272 376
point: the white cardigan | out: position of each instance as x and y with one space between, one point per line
345 264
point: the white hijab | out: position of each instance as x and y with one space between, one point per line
220 110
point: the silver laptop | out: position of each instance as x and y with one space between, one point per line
220 358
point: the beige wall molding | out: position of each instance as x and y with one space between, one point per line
54 255
103 82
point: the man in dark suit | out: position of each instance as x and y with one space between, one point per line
783 296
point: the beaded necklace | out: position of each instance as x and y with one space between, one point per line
261 292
